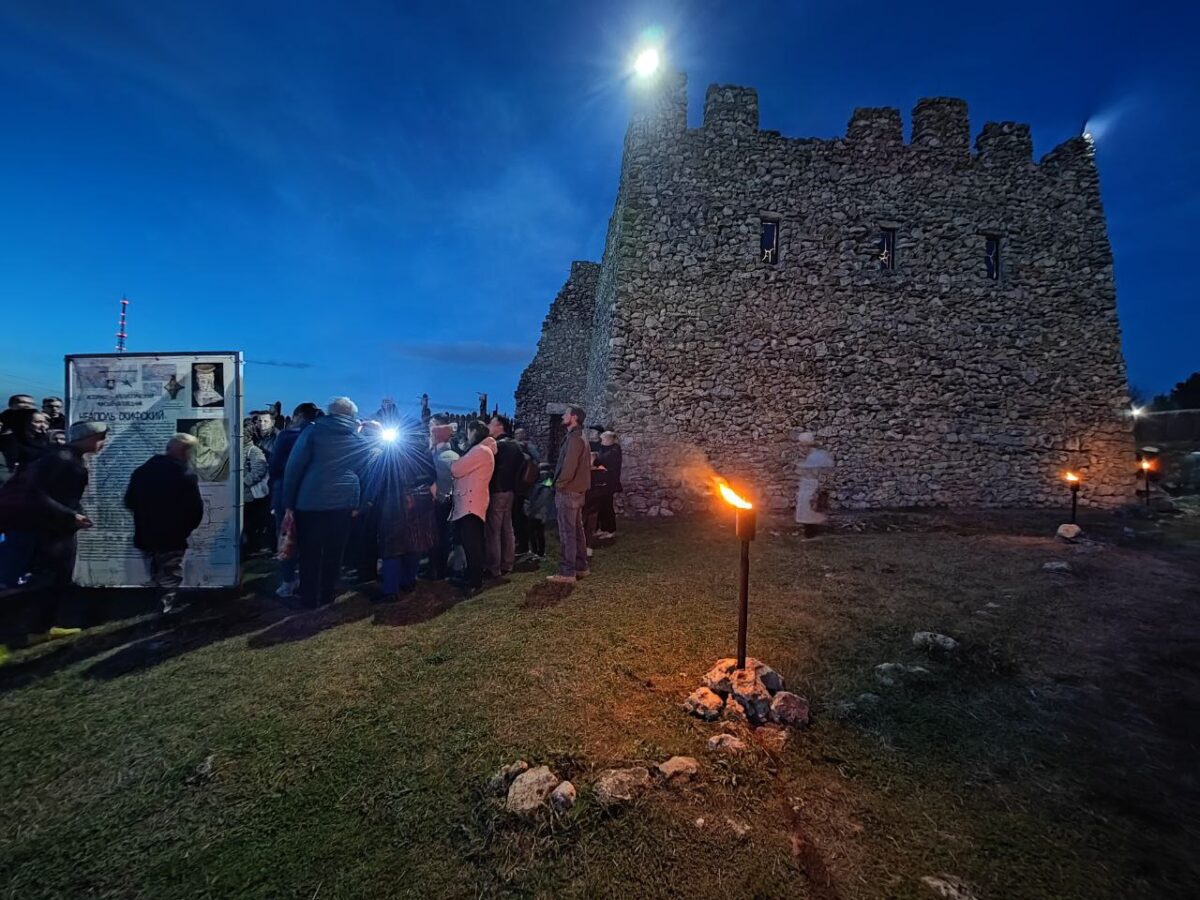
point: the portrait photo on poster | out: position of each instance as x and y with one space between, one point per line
210 459
208 385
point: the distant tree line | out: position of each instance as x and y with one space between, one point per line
1185 395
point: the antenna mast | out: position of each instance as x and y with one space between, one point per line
121 326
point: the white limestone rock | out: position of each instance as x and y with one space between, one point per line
530 790
617 787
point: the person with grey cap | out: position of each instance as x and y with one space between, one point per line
52 494
164 497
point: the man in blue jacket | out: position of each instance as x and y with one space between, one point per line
322 486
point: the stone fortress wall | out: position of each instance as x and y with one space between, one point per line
931 384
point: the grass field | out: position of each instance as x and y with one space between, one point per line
252 752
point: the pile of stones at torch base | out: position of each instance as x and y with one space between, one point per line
754 694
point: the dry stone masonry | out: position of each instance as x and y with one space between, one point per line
942 320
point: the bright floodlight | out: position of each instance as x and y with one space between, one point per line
1136 411
390 434
646 63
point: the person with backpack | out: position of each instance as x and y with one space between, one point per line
539 510
510 464
529 478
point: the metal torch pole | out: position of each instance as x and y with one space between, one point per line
1074 501
1146 472
743 604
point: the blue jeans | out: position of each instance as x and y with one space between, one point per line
572 538
400 572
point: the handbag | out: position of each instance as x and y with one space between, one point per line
287 538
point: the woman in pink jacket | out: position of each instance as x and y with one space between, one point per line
471 476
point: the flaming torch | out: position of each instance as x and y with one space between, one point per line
1072 481
1146 465
745 526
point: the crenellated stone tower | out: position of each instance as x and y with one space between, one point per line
943 320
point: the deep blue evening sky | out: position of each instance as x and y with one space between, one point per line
390 197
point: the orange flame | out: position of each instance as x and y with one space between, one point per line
730 497
1071 477
1146 465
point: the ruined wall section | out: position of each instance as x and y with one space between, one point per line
930 384
558 372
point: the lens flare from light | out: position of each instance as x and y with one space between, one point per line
1136 411
647 62
731 497
389 434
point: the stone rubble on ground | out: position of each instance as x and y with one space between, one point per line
563 797
616 787
704 703
726 743
932 641
1056 565
746 696
773 737
500 782
947 887
530 790
1069 533
889 674
679 769
789 709
752 694
734 711
719 677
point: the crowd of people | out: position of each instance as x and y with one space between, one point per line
385 496
387 500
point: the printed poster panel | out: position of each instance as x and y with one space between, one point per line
144 400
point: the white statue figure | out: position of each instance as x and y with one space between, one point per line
814 464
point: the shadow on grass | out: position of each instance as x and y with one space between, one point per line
104 607
428 601
545 594
300 626
207 622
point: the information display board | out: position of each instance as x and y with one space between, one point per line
144 399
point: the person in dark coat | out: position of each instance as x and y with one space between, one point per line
609 458
302 416
164 497
25 438
593 498
400 492
53 408
50 494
